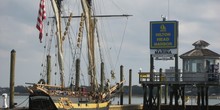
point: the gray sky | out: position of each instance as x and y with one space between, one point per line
198 20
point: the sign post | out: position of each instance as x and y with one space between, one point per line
164 46
163 39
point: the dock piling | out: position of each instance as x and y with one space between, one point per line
130 86
12 79
122 88
48 69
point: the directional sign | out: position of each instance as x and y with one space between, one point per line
163 34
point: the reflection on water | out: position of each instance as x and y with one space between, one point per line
192 100
22 101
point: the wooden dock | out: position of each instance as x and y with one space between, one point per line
126 107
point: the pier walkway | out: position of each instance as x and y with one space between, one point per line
175 84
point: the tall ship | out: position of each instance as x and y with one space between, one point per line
76 38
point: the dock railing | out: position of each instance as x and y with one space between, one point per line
196 77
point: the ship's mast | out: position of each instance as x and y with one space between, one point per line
56 4
90 24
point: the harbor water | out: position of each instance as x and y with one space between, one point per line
22 101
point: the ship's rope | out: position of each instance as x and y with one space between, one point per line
117 6
100 8
102 38
121 44
47 46
22 102
109 50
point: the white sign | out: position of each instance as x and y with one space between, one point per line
163 58
162 55
163 52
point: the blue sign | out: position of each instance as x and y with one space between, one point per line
163 34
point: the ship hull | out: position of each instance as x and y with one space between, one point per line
86 109
82 105
42 101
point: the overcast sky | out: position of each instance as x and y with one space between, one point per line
198 20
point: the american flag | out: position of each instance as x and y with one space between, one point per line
41 17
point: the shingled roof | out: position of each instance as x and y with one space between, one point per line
200 51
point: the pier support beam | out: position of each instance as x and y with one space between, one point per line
145 97
202 100
183 97
171 96
198 97
177 92
158 97
152 97
207 97
166 93
176 87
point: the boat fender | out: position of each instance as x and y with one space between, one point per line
4 97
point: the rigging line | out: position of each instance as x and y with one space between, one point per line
117 6
77 53
82 82
105 46
43 61
47 46
50 36
72 54
97 6
121 43
64 46
68 34
56 61
83 56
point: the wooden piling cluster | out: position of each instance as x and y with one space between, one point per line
150 101
12 83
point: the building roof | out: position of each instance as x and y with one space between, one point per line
200 51
201 43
